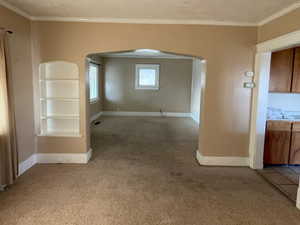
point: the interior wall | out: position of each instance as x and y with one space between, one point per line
54 144
229 52
21 71
284 101
280 26
64 41
196 90
174 86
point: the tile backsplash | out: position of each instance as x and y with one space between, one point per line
286 102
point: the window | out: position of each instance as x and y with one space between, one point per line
147 76
94 82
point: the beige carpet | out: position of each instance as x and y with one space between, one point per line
144 172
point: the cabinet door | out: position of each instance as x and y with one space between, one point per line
296 73
281 71
295 144
277 142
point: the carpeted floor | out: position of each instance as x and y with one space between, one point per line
144 172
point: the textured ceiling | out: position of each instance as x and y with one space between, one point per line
240 11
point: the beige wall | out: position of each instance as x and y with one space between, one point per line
280 26
174 86
229 52
21 68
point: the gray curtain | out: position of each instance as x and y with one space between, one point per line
8 145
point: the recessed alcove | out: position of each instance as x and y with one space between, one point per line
59 99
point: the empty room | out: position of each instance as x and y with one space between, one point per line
149 112
142 103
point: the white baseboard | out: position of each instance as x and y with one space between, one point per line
94 117
156 114
221 161
27 164
298 198
81 158
43 158
89 155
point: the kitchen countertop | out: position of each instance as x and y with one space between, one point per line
285 119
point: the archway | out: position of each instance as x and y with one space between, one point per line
199 65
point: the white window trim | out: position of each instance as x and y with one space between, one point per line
95 100
148 66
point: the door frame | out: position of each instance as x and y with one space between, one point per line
260 95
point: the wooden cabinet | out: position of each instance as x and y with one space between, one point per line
281 71
294 157
282 143
285 71
296 72
277 142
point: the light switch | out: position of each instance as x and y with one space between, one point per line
249 85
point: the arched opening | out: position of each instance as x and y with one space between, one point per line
143 97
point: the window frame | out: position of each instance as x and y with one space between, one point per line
94 100
156 67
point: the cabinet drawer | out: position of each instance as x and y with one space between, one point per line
296 126
279 125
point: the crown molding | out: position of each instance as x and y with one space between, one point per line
279 14
282 42
15 9
141 21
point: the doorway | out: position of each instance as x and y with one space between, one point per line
260 96
143 93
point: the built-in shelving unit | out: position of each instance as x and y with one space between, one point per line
59 99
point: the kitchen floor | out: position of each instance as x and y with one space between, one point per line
285 178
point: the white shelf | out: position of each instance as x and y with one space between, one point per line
59 100
64 79
61 117
60 134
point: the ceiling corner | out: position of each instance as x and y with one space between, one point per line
15 9
279 13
